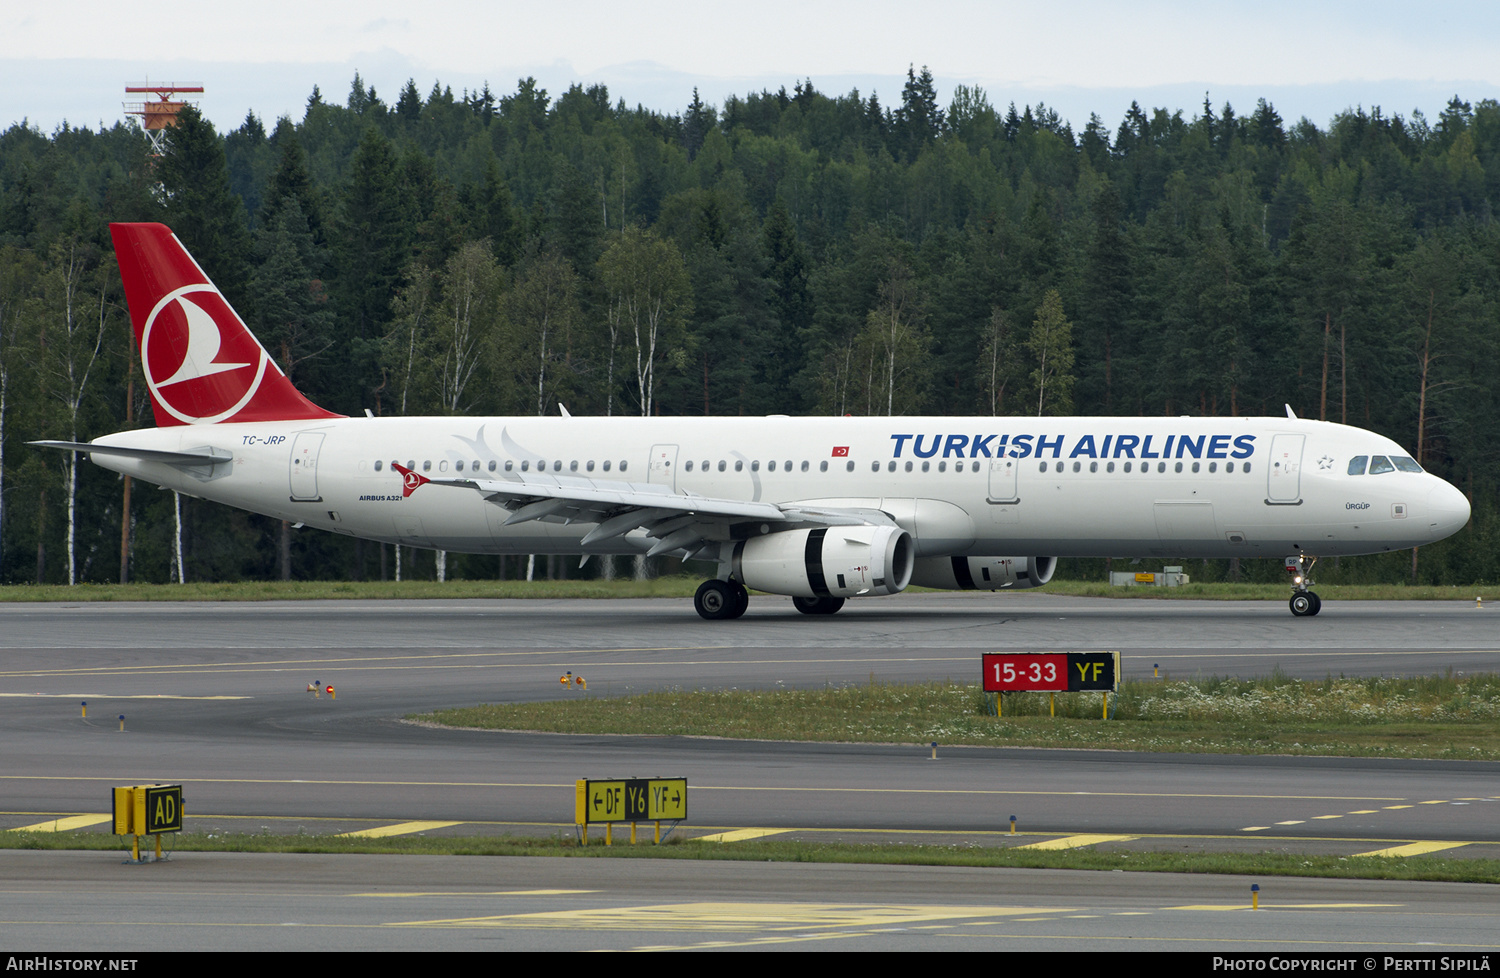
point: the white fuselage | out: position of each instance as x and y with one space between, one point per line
1173 487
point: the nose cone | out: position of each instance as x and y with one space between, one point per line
1447 510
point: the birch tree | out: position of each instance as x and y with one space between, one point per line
465 327
646 277
543 309
1051 346
78 306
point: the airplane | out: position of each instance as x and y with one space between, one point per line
819 509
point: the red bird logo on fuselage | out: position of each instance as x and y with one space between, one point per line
409 480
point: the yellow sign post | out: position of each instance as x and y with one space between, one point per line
629 800
147 809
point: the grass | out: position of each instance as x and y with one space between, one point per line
969 855
1449 716
675 586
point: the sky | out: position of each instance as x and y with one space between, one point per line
71 59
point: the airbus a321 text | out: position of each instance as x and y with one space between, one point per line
821 509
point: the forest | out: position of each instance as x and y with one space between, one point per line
789 252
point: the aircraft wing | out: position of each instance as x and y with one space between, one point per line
674 520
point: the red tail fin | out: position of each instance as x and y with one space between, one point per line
201 363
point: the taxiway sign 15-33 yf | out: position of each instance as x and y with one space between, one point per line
820 509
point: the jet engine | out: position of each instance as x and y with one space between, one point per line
836 561
983 573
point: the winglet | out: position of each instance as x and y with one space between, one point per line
1290 413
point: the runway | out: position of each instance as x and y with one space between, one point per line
214 696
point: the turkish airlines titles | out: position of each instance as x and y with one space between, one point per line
1085 446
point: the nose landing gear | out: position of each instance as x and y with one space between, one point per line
1304 602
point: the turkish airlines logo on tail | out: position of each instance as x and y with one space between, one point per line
200 361
410 481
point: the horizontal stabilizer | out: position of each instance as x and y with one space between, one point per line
209 456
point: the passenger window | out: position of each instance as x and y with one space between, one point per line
926 466
1245 467
557 465
1213 466
849 466
1127 466
623 465
1077 466
739 466
1110 467
411 464
788 466
1357 464
590 466
1044 467
508 465
1406 464
771 465
908 466
1195 466
755 466
1161 466
525 465
1228 466
1093 466
942 466
1379 465
804 465
377 465
689 465
874 466
606 465
889 468
459 465
721 465
1178 467
427 465
573 465
823 466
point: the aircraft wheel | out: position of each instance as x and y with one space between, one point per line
716 601
741 599
817 606
1317 603
1304 604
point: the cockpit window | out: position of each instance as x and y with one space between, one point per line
1357 464
1379 465
1406 464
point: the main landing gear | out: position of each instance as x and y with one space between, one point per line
817 606
1304 603
721 600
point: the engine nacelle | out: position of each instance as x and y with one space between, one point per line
983 573
834 561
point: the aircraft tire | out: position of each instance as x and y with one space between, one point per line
741 599
818 606
1304 604
716 601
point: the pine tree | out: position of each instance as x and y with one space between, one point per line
201 208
